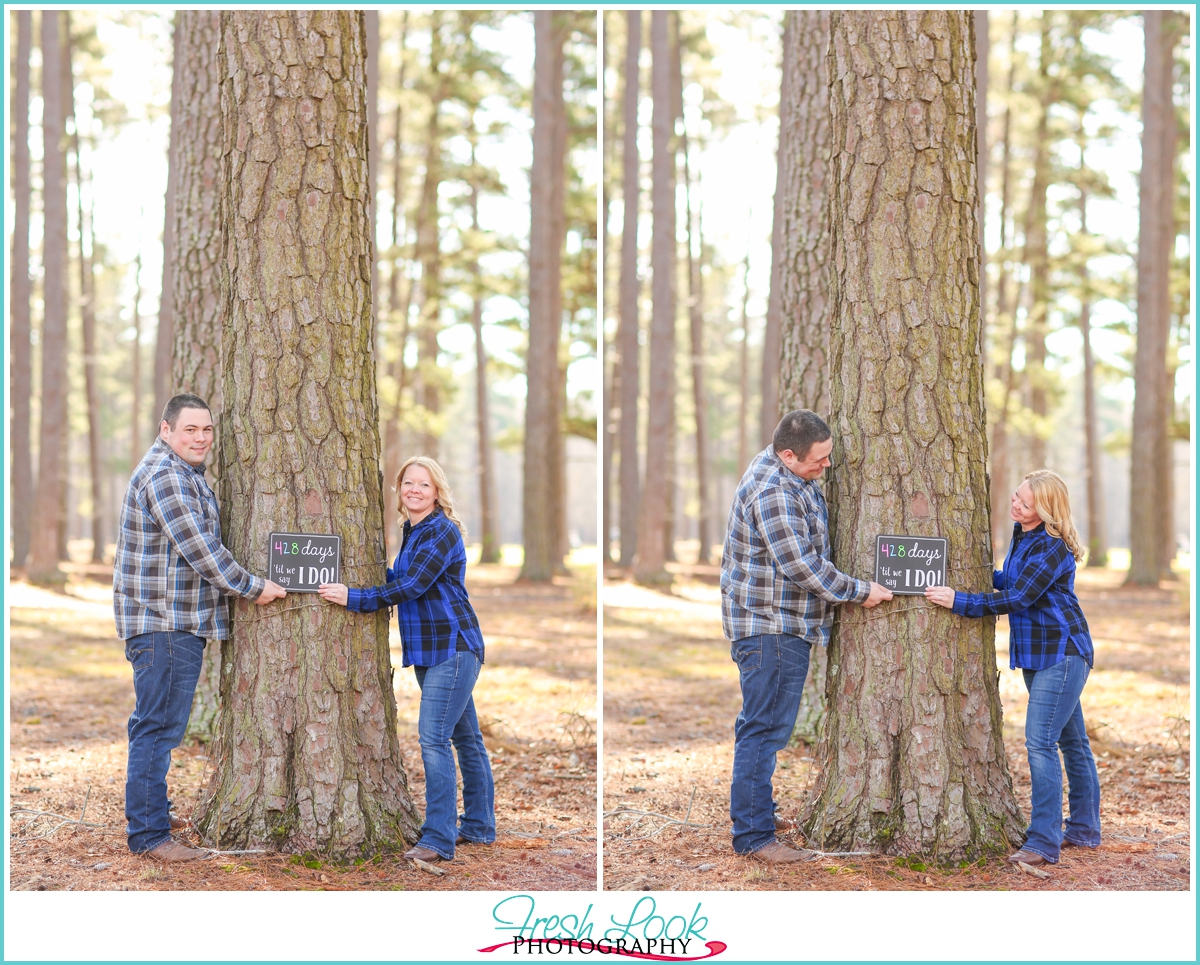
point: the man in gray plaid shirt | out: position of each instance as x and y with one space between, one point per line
778 591
169 576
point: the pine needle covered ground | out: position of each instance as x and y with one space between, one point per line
671 696
72 691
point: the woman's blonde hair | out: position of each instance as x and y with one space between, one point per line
443 498
1052 503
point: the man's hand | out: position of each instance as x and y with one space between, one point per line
941 595
879 593
272 591
334 593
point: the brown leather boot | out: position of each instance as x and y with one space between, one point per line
171 851
179 824
779 853
423 854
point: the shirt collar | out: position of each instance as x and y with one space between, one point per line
408 524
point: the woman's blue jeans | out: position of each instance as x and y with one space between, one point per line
447 717
1053 722
166 666
771 668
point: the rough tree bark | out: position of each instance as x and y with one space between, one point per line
307 754
1147 490
87 324
137 445
21 288
542 416
50 506
744 373
627 333
656 499
194 299
912 760
803 252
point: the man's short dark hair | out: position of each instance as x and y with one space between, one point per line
180 402
798 430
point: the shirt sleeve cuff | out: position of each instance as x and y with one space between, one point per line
354 599
960 604
257 585
863 590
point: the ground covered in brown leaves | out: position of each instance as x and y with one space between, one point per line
71 691
671 696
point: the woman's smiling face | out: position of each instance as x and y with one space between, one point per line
1022 510
418 492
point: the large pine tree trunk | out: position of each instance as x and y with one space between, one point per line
308 757
803 253
627 332
912 760
1097 544
1147 490
542 416
50 508
21 289
193 303
656 497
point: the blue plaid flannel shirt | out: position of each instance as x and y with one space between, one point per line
1037 591
776 569
426 587
171 567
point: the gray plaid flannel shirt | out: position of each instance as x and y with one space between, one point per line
776 574
171 567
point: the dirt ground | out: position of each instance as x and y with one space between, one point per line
71 691
671 696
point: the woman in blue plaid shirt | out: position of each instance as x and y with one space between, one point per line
1049 640
443 644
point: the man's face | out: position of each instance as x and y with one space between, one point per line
812 465
192 437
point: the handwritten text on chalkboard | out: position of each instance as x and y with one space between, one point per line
908 564
300 562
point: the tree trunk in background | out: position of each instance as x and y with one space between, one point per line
558 210
610 375
1037 254
744 375
87 324
1147 489
695 252
627 331
136 447
1097 544
912 760
773 329
428 252
50 508
307 756
803 255
165 335
542 416
982 49
1006 311
657 500
489 538
194 300
804 228
21 287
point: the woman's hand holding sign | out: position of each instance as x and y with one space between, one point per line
941 595
334 593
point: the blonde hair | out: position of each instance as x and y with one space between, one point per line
1052 503
444 497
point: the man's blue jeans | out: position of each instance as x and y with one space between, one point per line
1054 721
447 716
166 666
772 668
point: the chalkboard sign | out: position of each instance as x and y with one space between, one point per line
300 562
908 564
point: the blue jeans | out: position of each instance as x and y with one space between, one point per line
447 716
166 666
772 668
1054 721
